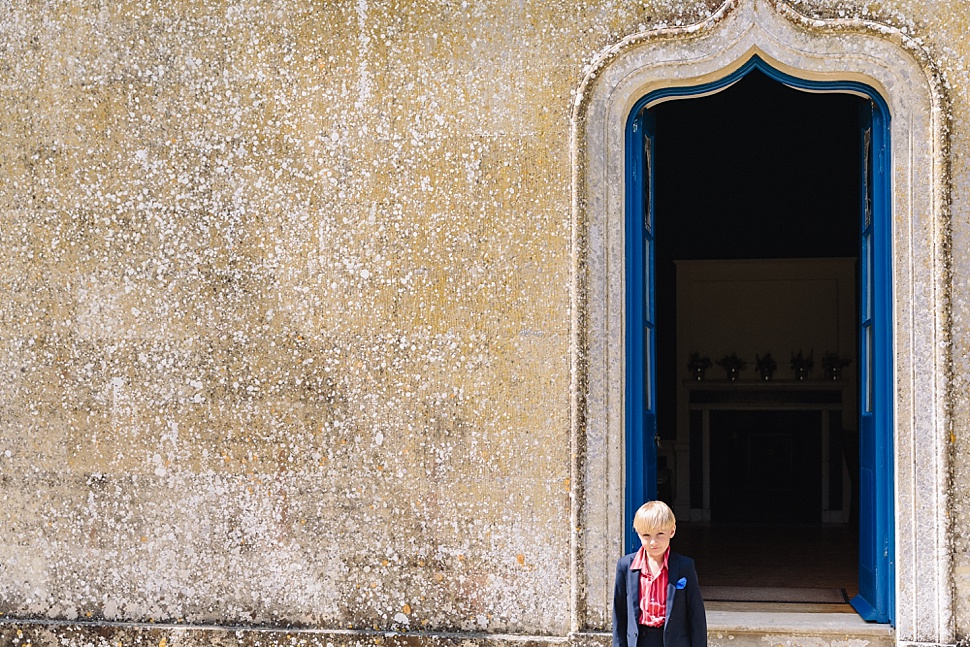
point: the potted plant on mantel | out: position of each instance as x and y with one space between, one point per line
732 365
696 365
765 366
802 364
832 364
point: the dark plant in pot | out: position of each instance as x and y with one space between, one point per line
765 366
832 365
802 364
696 365
732 365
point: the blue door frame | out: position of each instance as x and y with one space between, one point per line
876 599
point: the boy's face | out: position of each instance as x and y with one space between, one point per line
656 540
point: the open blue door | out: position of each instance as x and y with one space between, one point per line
641 415
875 601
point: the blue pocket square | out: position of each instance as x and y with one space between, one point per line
681 583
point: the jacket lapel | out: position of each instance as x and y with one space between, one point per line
633 590
673 574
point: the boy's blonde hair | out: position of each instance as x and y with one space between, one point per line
654 515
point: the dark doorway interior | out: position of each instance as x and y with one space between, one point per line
766 466
756 171
772 556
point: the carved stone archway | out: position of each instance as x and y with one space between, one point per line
878 57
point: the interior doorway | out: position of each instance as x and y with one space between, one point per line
755 172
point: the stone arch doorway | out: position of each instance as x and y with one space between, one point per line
761 207
808 50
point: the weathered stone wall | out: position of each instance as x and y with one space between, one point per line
286 327
286 335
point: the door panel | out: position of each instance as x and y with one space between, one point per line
641 479
875 601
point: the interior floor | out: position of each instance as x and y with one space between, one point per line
772 556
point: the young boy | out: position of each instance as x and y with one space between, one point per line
656 599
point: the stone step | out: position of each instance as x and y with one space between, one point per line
790 629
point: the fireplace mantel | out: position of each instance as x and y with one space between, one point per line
761 394
709 400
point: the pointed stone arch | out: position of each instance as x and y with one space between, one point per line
878 57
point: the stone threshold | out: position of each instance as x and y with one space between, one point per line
793 629
732 628
794 622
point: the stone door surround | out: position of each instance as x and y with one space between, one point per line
839 50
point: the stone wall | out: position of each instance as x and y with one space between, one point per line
286 335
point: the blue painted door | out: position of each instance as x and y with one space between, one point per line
875 601
641 394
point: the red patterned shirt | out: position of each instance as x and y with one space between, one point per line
653 590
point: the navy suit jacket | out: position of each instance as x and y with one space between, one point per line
686 624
